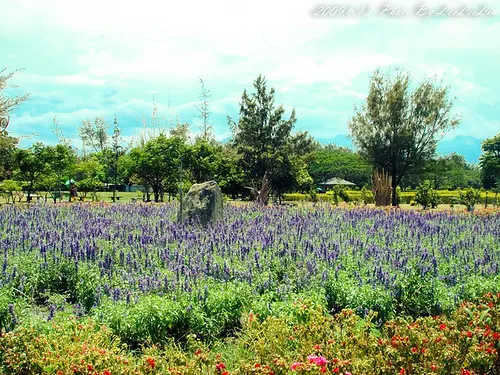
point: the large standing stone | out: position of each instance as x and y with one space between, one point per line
202 204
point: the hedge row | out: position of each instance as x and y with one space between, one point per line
406 197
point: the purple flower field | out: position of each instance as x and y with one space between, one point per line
395 263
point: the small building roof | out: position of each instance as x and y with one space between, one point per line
336 181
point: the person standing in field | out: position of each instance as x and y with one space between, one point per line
73 192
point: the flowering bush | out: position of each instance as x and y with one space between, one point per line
309 340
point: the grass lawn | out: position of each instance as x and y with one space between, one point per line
127 197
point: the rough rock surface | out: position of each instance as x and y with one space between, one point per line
202 204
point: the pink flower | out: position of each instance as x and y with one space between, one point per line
321 361
296 365
347 373
312 358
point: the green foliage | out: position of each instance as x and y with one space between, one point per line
231 176
8 188
364 195
203 160
426 196
63 347
158 163
263 139
32 164
446 172
332 161
302 339
314 195
490 162
339 193
89 176
397 129
469 198
156 320
7 155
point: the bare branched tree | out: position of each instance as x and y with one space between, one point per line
205 127
8 104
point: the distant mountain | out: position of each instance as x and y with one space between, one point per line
467 146
339 140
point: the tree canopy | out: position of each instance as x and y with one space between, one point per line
397 129
490 162
263 138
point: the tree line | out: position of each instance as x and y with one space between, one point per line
396 130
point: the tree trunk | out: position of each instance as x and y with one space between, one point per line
394 191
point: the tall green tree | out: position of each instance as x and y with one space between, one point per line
59 165
89 175
397 129
157 164
32 165
231 176
489 162
263 139
8 147
202 159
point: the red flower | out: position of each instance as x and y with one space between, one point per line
336 369
322 369
257 365
90 367
496 335
106 372
442 327
317 347
414 350
197 352
433 367
402 371
465 372
151 362
296 366
220 366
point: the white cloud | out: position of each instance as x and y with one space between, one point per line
29 79
334 67
154 46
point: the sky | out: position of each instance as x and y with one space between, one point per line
82 59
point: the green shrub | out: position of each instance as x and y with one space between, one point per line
426 196
469 198
340 193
